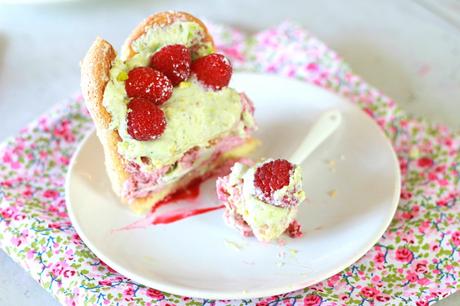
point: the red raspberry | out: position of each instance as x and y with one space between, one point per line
148 83
146 121
294 230
272 176
214 70
174 61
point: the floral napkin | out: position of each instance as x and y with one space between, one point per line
415 262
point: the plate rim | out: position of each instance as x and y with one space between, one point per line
259 293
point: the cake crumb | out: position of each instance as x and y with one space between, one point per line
281 242
281 254
233 245
332 193
331 164
293 251
294 230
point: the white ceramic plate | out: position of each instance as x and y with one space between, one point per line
202 257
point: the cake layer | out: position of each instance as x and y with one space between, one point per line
141 184
210 167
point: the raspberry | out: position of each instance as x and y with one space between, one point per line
174 61
146 121
272 176
214 70
148 83
294 230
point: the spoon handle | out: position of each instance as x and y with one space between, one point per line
321 129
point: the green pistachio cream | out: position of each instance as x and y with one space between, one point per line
194 114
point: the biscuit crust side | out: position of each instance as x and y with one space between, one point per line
95 74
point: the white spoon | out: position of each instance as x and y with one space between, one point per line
327 123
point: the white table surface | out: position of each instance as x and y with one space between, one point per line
408 49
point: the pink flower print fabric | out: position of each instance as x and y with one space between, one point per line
416 261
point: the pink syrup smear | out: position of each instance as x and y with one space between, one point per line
190 192
177 216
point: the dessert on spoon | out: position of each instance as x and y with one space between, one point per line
262 199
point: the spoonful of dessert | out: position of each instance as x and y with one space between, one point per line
262 199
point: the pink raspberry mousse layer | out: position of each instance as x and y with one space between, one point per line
141 184
250 213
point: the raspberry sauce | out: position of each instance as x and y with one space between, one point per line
177 216
190 192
